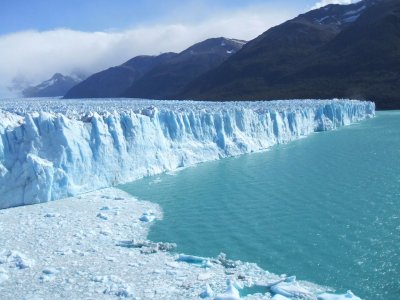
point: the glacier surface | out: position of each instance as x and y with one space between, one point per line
52 149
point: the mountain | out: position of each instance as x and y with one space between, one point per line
156 76
335 51
114 81
56 86
169 78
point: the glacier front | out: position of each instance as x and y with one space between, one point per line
52 149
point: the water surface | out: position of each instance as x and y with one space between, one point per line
325 208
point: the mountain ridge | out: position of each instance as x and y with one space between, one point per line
153 76
306 58
56 86
113 81
169 78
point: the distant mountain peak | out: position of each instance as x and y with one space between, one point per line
220 44
337 14
56 86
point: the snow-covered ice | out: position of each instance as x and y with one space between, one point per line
67 257
348 295
51 149
291 289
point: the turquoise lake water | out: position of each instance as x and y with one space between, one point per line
325 208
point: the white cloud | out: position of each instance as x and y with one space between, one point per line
323 3
35 56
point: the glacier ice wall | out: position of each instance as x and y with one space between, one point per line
54 150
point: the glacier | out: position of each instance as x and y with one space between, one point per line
52 149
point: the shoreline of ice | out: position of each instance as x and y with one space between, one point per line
52 149
95 246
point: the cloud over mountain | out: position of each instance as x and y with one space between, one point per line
326 2
33 56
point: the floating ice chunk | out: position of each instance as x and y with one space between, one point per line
191 259
50 271
121 291
290 279
227 263
147 217
115 286
32 297
47 277
279 297
3 276
196 260
146 246
290 288
348 295
106 231
101 279
207 293
18 259
205 276
102 216
206 264
51 215
231 293
173 264
110 258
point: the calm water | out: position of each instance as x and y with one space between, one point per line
325 208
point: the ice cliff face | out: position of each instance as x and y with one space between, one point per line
53 149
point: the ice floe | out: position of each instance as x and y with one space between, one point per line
348 295
68 257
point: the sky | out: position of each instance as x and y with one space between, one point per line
39 38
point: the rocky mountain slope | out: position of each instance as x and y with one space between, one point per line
341 51
170 78
114 81
56 86
161 76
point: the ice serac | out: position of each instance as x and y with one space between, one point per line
51 150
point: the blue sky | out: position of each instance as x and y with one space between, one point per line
41 37
100 15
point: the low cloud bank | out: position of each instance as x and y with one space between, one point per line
29 57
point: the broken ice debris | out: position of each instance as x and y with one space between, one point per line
207 293
3 275
147 247
102 216
51 215
231 293
18 259
348 295
227 263
48 275
290 288
147 217
279 297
